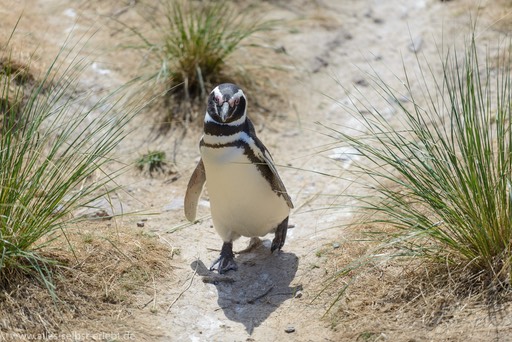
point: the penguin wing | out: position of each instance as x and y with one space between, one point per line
194 190
276 182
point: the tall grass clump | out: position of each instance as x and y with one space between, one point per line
440 175
55 143
191 41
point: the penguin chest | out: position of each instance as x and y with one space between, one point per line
242 200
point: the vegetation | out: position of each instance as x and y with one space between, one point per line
54 146
193 43
441 183
153 161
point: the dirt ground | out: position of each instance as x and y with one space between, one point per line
270 297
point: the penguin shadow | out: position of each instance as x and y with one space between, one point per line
259 286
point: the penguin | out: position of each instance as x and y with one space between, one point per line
247 196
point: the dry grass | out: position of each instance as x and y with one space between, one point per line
437 264
95 284
410 300
257 64
500 13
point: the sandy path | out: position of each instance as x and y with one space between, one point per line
259 302
271 293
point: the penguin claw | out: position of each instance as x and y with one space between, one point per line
224 264
226 260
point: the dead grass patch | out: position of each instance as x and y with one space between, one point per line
258 65
267 100
17 89
96 279
500 12
406 299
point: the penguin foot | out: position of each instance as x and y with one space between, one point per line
253 244
280 236
226 260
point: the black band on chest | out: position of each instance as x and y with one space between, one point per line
260 164
213 128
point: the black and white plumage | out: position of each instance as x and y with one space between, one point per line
247 197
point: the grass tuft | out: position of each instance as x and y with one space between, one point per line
190 44
153 161
441 180
55 143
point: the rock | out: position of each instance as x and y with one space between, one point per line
289 329
101 209
361 82
100 214
387 113
140 224
345 155
416 44
318 63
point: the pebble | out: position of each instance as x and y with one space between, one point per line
99 214
335 245
140 224
361 82
318 64
289 329
298 294
416 44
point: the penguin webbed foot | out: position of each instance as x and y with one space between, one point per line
226 261
280 236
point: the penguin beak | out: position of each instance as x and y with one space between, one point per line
224 111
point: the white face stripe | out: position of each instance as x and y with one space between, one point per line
208 118
238 94
218 94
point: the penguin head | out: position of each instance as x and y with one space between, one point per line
226 103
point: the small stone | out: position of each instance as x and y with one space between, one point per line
335 245
100 214
361 82
416 44
280 49
289 329
318 64
140 224
298 294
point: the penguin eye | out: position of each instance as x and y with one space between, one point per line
237 101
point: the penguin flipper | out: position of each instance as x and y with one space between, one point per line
266 158
278 182
194 190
